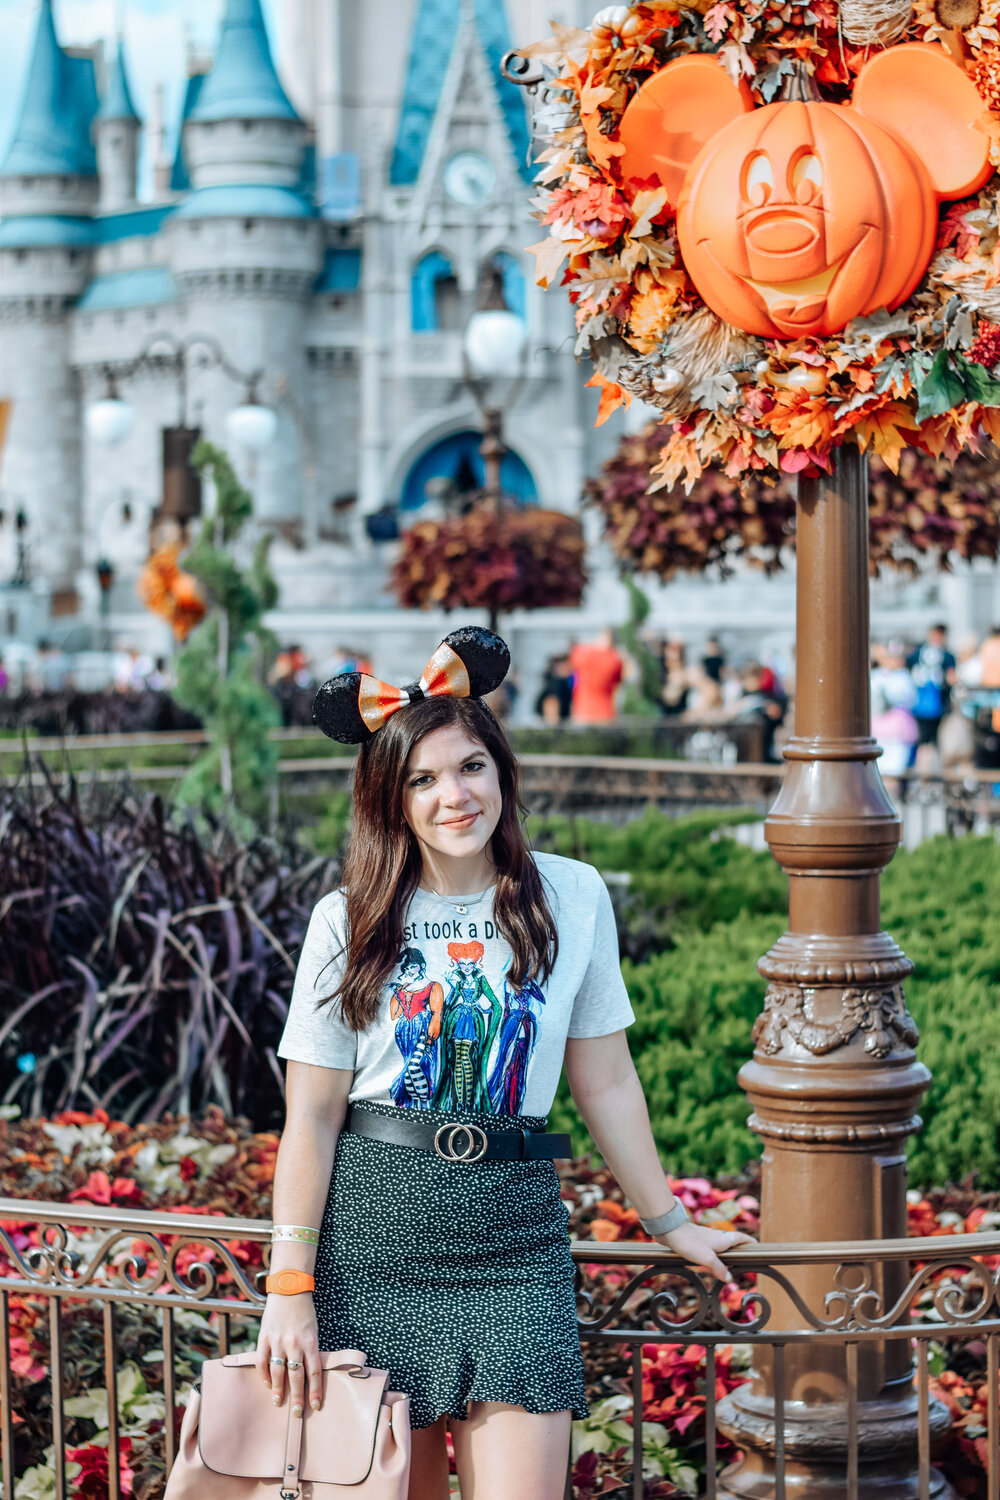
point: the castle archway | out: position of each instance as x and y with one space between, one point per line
455 459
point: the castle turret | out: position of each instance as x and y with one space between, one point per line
51 165
116 130
243 128
48 190
250 229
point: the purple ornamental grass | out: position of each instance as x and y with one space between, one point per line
146 962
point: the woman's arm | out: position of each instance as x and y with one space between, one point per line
608 1094
315 1108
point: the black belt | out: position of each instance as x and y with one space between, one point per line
455 1141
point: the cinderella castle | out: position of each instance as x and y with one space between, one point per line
313 244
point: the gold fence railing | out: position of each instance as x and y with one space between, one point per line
944 1292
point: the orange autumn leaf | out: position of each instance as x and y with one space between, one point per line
549 255
601 147
603 1229
612 396
646 205
801 423
889 430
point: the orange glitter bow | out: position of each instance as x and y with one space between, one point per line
444 675
469 663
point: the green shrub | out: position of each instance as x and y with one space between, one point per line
683 875
695 1008
942 902
696 1002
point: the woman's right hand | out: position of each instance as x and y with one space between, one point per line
288 1333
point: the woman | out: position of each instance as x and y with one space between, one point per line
441 1251
415 1006
676 689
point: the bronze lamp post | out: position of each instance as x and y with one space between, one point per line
834 1081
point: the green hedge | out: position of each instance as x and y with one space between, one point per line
696 1002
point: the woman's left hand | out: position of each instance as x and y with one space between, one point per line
700 1245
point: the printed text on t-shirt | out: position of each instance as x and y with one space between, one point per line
453 929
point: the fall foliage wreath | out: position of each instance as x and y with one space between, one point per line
924 375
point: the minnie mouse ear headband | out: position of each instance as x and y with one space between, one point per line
468 664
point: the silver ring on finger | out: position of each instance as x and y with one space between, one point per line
276 1360
295 1364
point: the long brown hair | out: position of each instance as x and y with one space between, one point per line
383 864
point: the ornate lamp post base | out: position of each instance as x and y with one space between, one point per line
817 1442
834 1082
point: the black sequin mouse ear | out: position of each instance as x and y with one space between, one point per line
469 663
337 709
485 656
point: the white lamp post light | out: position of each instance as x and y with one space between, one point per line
494 348
251 427
494 343
108 421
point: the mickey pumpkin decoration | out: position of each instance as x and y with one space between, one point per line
798 216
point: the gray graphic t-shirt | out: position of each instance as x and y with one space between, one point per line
452 1032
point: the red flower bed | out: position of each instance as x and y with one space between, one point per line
216 1166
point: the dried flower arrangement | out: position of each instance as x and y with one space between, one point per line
922 372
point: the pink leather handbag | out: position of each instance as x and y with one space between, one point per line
237 1445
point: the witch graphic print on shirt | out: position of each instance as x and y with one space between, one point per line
415 1006
461 1046
452 1030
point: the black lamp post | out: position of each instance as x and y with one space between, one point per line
251 425
22 573
105 580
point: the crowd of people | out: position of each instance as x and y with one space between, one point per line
51 669
931 705
598 681
933 708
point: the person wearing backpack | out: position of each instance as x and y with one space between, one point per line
932 667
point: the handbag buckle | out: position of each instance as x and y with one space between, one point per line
290 1494
455 1142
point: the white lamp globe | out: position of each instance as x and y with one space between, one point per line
494 343
251 427
108 422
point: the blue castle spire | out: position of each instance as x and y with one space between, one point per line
52 136
243 83
434 32
117 101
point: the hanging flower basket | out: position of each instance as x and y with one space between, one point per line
491 559
930 510
776 229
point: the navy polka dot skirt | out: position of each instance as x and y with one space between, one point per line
456 1278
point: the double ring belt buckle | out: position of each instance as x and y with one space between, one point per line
460 1142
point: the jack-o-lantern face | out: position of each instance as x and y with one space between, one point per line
794 218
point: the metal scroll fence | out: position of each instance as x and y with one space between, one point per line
923 1293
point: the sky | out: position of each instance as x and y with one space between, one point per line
158 34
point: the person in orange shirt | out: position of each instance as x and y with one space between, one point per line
598 670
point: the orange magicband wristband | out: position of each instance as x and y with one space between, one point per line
288 1283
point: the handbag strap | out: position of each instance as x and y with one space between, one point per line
293 1457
